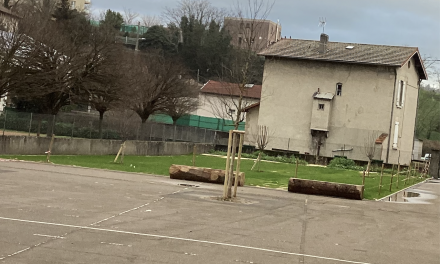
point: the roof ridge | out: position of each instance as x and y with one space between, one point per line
317 41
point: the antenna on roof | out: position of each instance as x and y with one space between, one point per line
322 22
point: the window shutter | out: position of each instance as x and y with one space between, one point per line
396 135
398 94
403 93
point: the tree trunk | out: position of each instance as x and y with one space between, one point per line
101 117
143 129
50 126
368 167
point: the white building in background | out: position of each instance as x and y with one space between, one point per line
2 103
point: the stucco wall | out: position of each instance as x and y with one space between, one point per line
363 108
251 126
22 145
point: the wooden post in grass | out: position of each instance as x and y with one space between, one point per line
381 176
296 168
123 153
50 148
228 155
194 155
398 171
408 174
237 173
363 179
119 152
391 183
231 165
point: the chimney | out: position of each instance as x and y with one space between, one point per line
323 43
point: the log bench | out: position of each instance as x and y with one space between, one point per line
190 173
342 190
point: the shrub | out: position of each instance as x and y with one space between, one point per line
344 163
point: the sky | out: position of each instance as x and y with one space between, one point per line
386 22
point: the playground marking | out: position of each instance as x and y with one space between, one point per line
174 238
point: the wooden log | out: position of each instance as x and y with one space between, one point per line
349 191
190 173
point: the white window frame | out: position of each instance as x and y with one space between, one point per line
396 135
401 92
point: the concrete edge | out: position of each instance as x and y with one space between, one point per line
378 200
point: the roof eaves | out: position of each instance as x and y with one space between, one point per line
328 60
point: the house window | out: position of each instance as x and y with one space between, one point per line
239 40
72 4
231 111
409 64
339 89
320 106
401 94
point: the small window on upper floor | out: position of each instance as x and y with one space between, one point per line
339 89
401 94
409 64
320 106
240 40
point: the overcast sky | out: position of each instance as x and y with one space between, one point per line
389 22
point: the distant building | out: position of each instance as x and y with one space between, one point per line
219 99
260 33
79 5
328 98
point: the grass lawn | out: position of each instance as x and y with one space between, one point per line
272 175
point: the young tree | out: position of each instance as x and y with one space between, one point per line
370 149
245 67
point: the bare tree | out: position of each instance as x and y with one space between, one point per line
181 106
153 81
370 149
201 10
149 21
262 138
242 71
129 16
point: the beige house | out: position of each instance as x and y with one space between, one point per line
220 99
8 19
329 98
260 33
79 5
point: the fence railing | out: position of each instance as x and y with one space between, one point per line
123 125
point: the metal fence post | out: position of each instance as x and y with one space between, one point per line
163 132
204 137
4 123
73 127
30 126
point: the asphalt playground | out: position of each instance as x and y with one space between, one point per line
62 214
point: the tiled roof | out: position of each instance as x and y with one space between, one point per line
231 89
338 52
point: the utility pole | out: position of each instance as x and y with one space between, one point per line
137 36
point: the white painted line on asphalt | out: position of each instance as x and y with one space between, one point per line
113 216
49 236
13 254
178 238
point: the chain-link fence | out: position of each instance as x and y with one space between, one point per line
124 125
